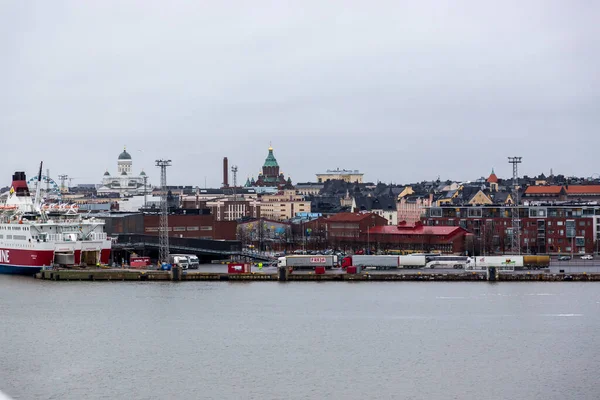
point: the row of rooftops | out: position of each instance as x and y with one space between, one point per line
338 171
556 190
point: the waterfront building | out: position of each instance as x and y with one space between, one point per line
545 228
353 176
419 238
197 224
125 182
351 229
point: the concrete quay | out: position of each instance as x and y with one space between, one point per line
148 275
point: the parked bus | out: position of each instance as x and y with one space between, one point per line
411 252
456 262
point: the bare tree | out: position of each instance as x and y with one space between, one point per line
243 235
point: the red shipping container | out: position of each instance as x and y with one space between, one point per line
319 270
351 269
238 268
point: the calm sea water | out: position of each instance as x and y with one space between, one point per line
193 340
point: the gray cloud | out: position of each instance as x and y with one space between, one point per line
401 90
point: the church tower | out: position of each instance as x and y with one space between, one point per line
124 163
271 176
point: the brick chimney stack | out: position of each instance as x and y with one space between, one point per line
225 173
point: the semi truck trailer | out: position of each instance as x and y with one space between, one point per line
308 262
384 261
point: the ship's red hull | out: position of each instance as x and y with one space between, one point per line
26 257
21 261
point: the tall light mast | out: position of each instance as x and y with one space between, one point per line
515 243
163 231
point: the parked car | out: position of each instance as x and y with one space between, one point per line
564 258
587 257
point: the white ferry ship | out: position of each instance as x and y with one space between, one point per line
34 235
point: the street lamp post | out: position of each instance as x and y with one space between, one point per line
303 240
484 242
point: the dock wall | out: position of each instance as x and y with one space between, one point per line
137 275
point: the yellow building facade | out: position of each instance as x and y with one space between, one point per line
281 207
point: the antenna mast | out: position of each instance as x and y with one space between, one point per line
145 191
63 178
234 169
164 212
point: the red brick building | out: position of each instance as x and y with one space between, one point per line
192 226
200 226
351 229
545 229
370 231
446 239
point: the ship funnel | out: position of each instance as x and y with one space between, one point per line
19 184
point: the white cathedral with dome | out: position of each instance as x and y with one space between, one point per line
124 182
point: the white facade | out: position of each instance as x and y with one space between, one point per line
125 183
340 174
232 209
390 215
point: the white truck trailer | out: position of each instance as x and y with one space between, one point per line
412 261
308 261
384 261
506 262
373 261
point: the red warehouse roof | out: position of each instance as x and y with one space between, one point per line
543 190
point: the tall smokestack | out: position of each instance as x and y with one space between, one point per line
225 173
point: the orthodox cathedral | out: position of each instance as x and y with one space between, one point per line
270 175
124 182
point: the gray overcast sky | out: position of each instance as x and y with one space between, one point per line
403 91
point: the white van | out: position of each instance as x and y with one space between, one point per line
194 262
179 260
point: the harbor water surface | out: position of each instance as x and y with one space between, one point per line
254 340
